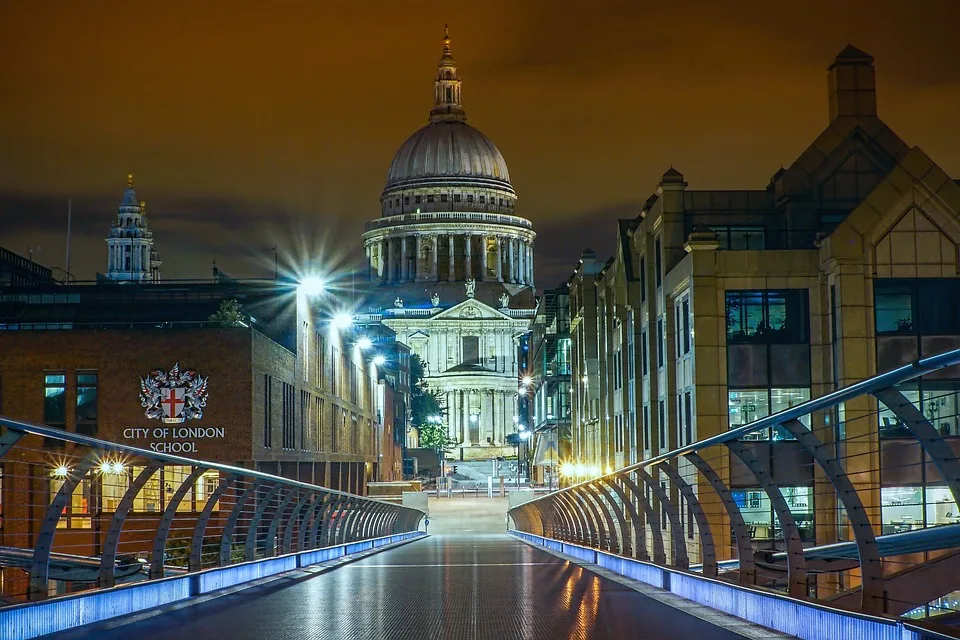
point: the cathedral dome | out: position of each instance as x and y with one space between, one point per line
449 149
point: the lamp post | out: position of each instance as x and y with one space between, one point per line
524 435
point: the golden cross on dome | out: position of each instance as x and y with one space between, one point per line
129 179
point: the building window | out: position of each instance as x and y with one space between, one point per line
758 513
429 198
749 405
456 197
287 416
643 280
908 508
660 341
406 199
469 198
416 199
443 197
76 513
646 427
938 401
55 400
929 306
662 416
767 316
685 325
644 364
304 414
87 403
483 199
740 238
688 416
267 411
658 263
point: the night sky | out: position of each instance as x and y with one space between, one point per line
248 124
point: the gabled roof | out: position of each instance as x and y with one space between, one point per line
471 309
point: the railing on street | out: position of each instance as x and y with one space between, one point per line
81 514
816 502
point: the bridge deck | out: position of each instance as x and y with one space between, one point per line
446 586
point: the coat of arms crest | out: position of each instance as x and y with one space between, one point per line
173 396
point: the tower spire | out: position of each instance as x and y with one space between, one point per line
447 106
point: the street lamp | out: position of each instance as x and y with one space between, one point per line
524 436
311 286
342 320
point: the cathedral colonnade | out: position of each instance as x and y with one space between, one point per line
480 417
451 256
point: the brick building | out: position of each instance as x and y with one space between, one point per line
284 392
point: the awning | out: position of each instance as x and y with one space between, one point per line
547 453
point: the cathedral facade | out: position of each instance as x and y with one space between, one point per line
451 267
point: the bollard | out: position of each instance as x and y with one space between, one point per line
489 486
503 488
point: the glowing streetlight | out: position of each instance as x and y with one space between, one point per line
527 381
312 286
567 469
364 343
60 471
379 360
342 321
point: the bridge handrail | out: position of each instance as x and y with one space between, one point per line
200 513
886 380
617 511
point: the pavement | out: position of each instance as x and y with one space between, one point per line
468 579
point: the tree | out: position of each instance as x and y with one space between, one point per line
426 405
228 314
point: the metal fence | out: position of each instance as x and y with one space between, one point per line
79 514
848 500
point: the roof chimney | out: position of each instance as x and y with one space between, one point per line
852 87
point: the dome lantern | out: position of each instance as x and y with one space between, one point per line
447 106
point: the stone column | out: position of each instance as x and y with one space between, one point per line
493 417
452 262
465 418
467 258
435 249
388 266
382 266
511 262
499 267
404 263
530 263
483 258
522 260
417 272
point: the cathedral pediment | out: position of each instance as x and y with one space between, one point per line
471 309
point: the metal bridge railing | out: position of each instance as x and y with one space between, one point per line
79 514
849 499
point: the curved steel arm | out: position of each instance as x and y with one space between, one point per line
707 548
270 542
741 534
294 522
659 555
250 544
40 568
108 555
226 538
680 558
871 569
196 545
615 520
157 555
942 456
796 563
639 545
